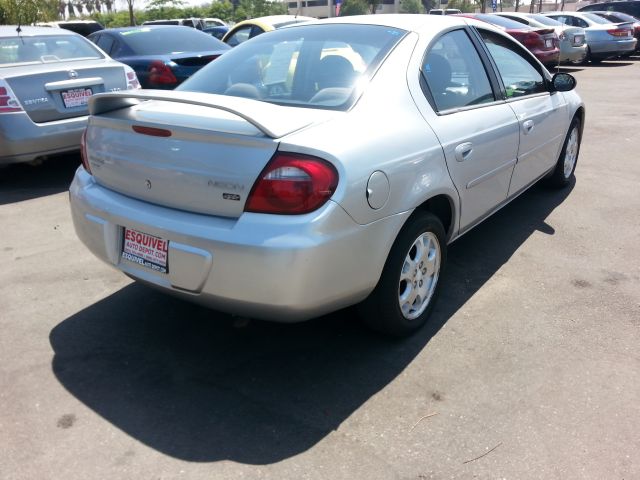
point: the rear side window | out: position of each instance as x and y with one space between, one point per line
321 66
105 42
455 74
54 48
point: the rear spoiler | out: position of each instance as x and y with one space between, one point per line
272 120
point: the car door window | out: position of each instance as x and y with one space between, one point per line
105 43
255 31
239 36
455 74
519 75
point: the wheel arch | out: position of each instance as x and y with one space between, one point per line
443 207
580 114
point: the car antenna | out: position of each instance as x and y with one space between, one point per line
19 30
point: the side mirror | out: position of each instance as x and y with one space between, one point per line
563 82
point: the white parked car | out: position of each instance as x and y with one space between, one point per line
323 165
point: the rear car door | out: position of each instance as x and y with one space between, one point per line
540 113
478 131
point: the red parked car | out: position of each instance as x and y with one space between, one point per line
542 42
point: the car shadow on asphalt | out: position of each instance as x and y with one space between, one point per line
202 386
612 63
24 181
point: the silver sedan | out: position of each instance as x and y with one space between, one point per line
46 78
573 46
323 165
604 38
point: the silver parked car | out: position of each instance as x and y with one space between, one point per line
323 165
46 78
604 38
573 46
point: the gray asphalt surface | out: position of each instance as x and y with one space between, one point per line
530 368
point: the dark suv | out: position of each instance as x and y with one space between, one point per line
630 7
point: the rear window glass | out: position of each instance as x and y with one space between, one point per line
45 49
321 66
545 20
500 21
168 40
596 18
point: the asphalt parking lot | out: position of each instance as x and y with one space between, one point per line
530 368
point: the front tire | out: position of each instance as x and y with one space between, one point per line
568 159
404 297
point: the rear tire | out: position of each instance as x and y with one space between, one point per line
568 159
406 292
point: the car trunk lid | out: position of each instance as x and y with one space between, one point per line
57 91
190 151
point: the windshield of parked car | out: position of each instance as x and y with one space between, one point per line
169 40
54 48
322 66
545 20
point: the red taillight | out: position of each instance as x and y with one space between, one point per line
619 32
292 184
154 132
8 101
161 74
132 78
533 40
83 151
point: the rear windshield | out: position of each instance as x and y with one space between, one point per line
322 66
545 20
596 18
500 21
169 40
620 17
45 49
84 29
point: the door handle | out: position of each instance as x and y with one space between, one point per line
463 151
528 126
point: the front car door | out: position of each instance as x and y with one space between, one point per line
541 114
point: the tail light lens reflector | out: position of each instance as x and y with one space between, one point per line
83 151
8 101
619 32
292 184
132 79
161 74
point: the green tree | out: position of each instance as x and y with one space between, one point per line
354 7
411 6
25 12
222 10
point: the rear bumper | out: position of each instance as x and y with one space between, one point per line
22 140
612 48
275 267
571 53
548 58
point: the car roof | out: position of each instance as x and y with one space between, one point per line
142 27
28 31
409 22
271 20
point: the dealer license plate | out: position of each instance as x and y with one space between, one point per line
578 40
146 250
76 97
